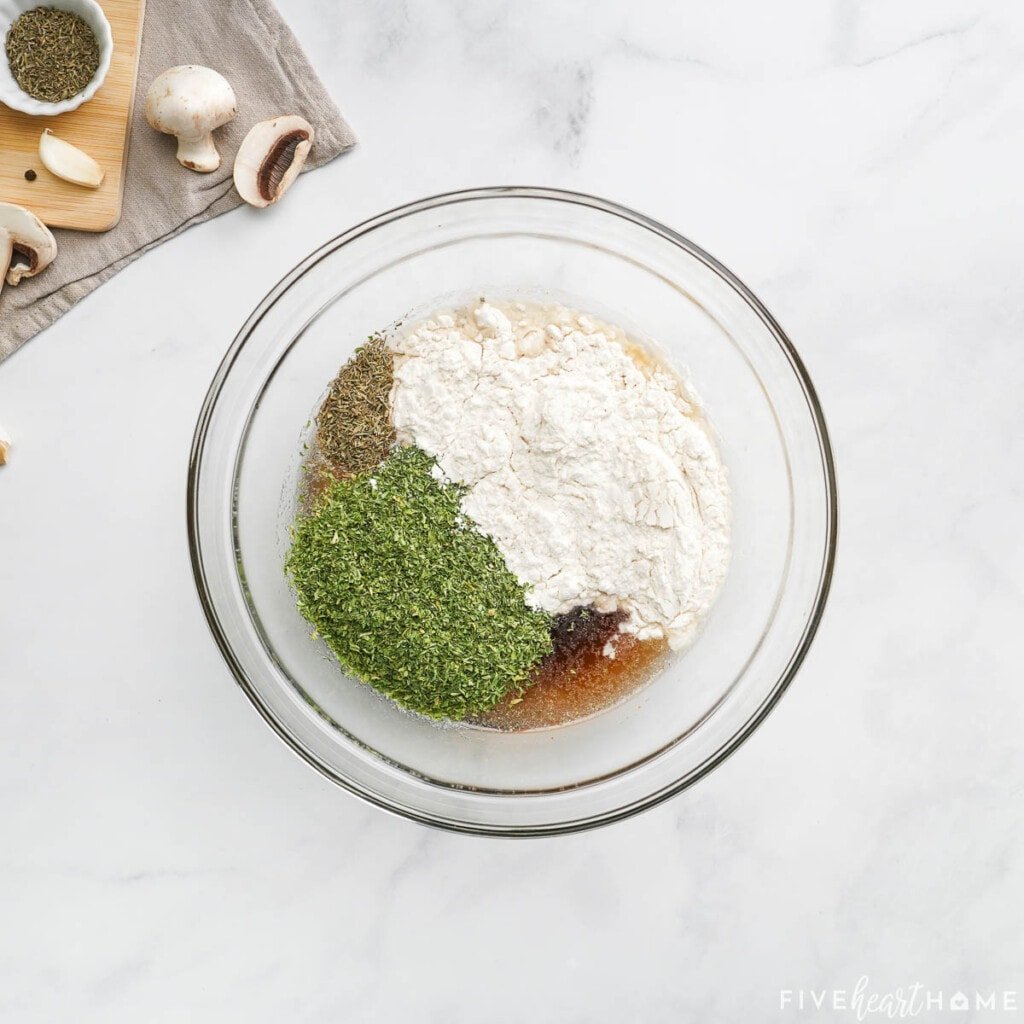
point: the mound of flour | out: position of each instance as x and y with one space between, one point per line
596 478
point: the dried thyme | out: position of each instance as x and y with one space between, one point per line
409 597
52 54
354 430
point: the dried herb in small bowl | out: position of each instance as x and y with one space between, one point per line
53 54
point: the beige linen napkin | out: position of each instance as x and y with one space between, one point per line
247 42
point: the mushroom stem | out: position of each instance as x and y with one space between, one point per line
198 154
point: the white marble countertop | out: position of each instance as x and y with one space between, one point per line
164 857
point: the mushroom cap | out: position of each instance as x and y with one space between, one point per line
190 101
28 236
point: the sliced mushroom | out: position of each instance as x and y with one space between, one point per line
270 157
5 445
69 162
23 234
190 102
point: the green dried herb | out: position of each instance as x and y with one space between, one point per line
354 430
52 54
410 597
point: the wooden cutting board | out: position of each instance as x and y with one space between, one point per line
100 127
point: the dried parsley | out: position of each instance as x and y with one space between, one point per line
354 430
411 598
52 54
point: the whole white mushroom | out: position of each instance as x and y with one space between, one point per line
190 102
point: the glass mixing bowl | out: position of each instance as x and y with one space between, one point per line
604 259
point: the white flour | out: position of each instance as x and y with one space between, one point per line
598 481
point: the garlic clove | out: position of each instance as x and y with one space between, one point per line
270 158
69 162
5 445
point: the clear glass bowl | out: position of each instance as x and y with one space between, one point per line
601 258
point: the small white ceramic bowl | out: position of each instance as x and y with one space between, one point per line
92 14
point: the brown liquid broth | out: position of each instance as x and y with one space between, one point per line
573 684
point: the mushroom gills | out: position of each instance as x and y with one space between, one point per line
278 162
27 267
270 158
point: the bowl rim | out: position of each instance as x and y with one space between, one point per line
17 99
827 464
